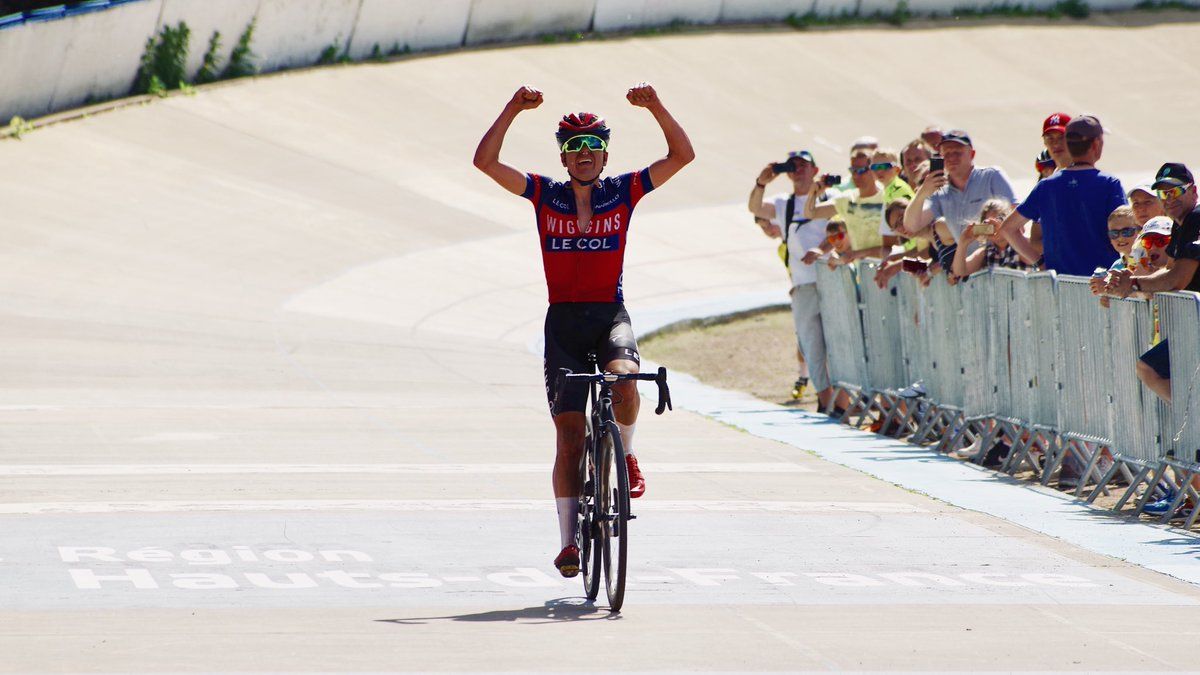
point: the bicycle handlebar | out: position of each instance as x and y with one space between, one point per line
659 378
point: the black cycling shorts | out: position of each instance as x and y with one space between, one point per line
575 329
1158 357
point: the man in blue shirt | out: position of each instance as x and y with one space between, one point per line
1072 206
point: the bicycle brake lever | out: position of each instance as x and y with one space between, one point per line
664 393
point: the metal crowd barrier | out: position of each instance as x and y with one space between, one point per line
839 288
1032 360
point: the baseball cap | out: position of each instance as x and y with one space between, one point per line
804 155
1172 174
865 142
1148 188
1158 225
1084 127
1056 122
956 136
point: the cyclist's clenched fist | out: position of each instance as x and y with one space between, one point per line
642 95
526 98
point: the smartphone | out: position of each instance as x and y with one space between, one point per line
937 163
914 265
984 229
833 180
783 167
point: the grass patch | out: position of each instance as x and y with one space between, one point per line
753 352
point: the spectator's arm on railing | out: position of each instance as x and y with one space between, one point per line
1012 229
873 252
812 255
1174 277
888 269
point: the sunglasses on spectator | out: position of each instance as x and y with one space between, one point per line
882 166
835 237
577 143
1155 240
1123 232
1173 193
859 171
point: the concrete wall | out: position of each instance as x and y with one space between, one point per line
61 64
415 24
56 65
502 20
630 14
293 33
741 11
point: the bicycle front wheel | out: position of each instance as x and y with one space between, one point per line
591 547
616 521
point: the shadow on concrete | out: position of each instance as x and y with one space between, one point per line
552 611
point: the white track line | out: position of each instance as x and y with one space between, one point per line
201 469
55 508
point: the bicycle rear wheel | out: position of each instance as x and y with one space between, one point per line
616 522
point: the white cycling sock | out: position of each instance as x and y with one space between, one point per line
627 437
568 515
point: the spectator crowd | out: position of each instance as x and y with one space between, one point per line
931 209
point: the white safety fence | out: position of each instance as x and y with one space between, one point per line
64 57
1031 362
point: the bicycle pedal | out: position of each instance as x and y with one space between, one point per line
632 517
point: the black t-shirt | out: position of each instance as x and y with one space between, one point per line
1184 243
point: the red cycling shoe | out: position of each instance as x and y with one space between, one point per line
637 482
567 561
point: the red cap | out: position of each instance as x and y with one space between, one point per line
1056 122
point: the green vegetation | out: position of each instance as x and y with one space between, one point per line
1158 6
208 70
901 14
673 27
241 59
334 53
164 61
17 127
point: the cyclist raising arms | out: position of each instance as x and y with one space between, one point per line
583 224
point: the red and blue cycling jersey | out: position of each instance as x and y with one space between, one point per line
585 267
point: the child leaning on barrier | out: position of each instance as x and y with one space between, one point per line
993 250
1149 253
1123 230
1141 255
839 240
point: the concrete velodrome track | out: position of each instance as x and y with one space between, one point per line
269 399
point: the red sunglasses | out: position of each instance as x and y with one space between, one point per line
1155 240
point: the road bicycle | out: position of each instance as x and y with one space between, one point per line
603 531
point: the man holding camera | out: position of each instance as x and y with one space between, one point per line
861 208
955 189
783 217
